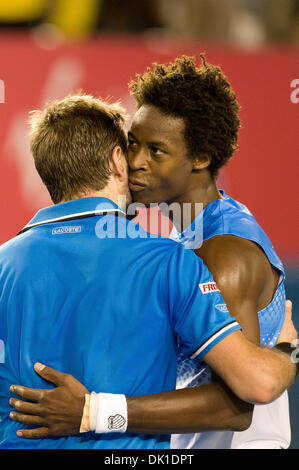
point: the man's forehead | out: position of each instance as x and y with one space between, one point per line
155 124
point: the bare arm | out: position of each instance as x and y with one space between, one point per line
208 407
247 282
238 268
257 375
58 412
197 409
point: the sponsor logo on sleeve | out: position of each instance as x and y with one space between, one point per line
208 287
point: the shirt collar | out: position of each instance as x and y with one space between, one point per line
75 208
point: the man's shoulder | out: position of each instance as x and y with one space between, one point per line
10 245
229 245
234 256
152 241
165 253
18 250
231 217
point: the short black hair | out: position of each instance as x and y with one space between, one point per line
203 97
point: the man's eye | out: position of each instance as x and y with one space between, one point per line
156 151
132 144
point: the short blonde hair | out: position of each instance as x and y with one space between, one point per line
72 141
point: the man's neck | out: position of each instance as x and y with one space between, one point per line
201 191
111 195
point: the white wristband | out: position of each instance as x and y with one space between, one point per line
108 413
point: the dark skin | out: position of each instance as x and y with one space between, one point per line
161 170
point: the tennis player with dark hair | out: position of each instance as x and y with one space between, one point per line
185 129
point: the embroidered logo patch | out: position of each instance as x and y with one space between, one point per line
70 229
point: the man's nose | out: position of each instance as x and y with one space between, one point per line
137 160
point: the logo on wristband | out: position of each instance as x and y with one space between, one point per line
116 422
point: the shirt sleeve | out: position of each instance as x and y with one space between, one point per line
199 315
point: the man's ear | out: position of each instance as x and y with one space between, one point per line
201 163
118 162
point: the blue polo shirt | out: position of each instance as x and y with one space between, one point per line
91 294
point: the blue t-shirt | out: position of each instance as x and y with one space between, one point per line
111 309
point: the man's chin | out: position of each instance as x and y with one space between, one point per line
142 197
147 202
